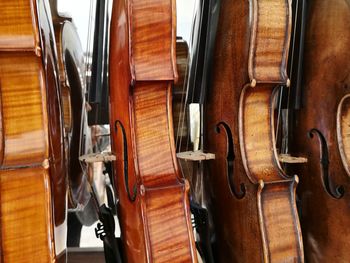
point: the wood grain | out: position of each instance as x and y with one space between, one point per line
22 86
153 39
269 40
343 131
251 199
155 218
26 227
273 196
18 31
32 170
256 133
166 217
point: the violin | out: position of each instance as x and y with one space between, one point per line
320 133
72 78
33 163
153 206
250 197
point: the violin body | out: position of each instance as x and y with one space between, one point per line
153 198
321 133
250 198
71 68
33 169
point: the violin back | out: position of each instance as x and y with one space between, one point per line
321 133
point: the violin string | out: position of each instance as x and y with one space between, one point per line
201 6
280 96
181 121
286 150
293 47
284 146
187 85
184 103
197 171
88 58
87 88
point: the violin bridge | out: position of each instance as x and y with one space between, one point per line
286 158
195 156
98 157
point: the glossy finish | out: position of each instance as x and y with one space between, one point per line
72 83
251 199
32 175
322 131
153 197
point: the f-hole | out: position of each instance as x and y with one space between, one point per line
230 156
335 192
132 197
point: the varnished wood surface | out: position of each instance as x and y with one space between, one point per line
269 41
152 39
277 212
343 131
32 172
25 208
157 167
154 215
66 98
251 200
256 134
325 212
22 86
19 31
166 218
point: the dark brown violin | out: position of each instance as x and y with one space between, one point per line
153 197
32 164
250 197
321 133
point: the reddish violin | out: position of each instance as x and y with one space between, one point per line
153 197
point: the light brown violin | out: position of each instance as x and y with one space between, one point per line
153 197
33 189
